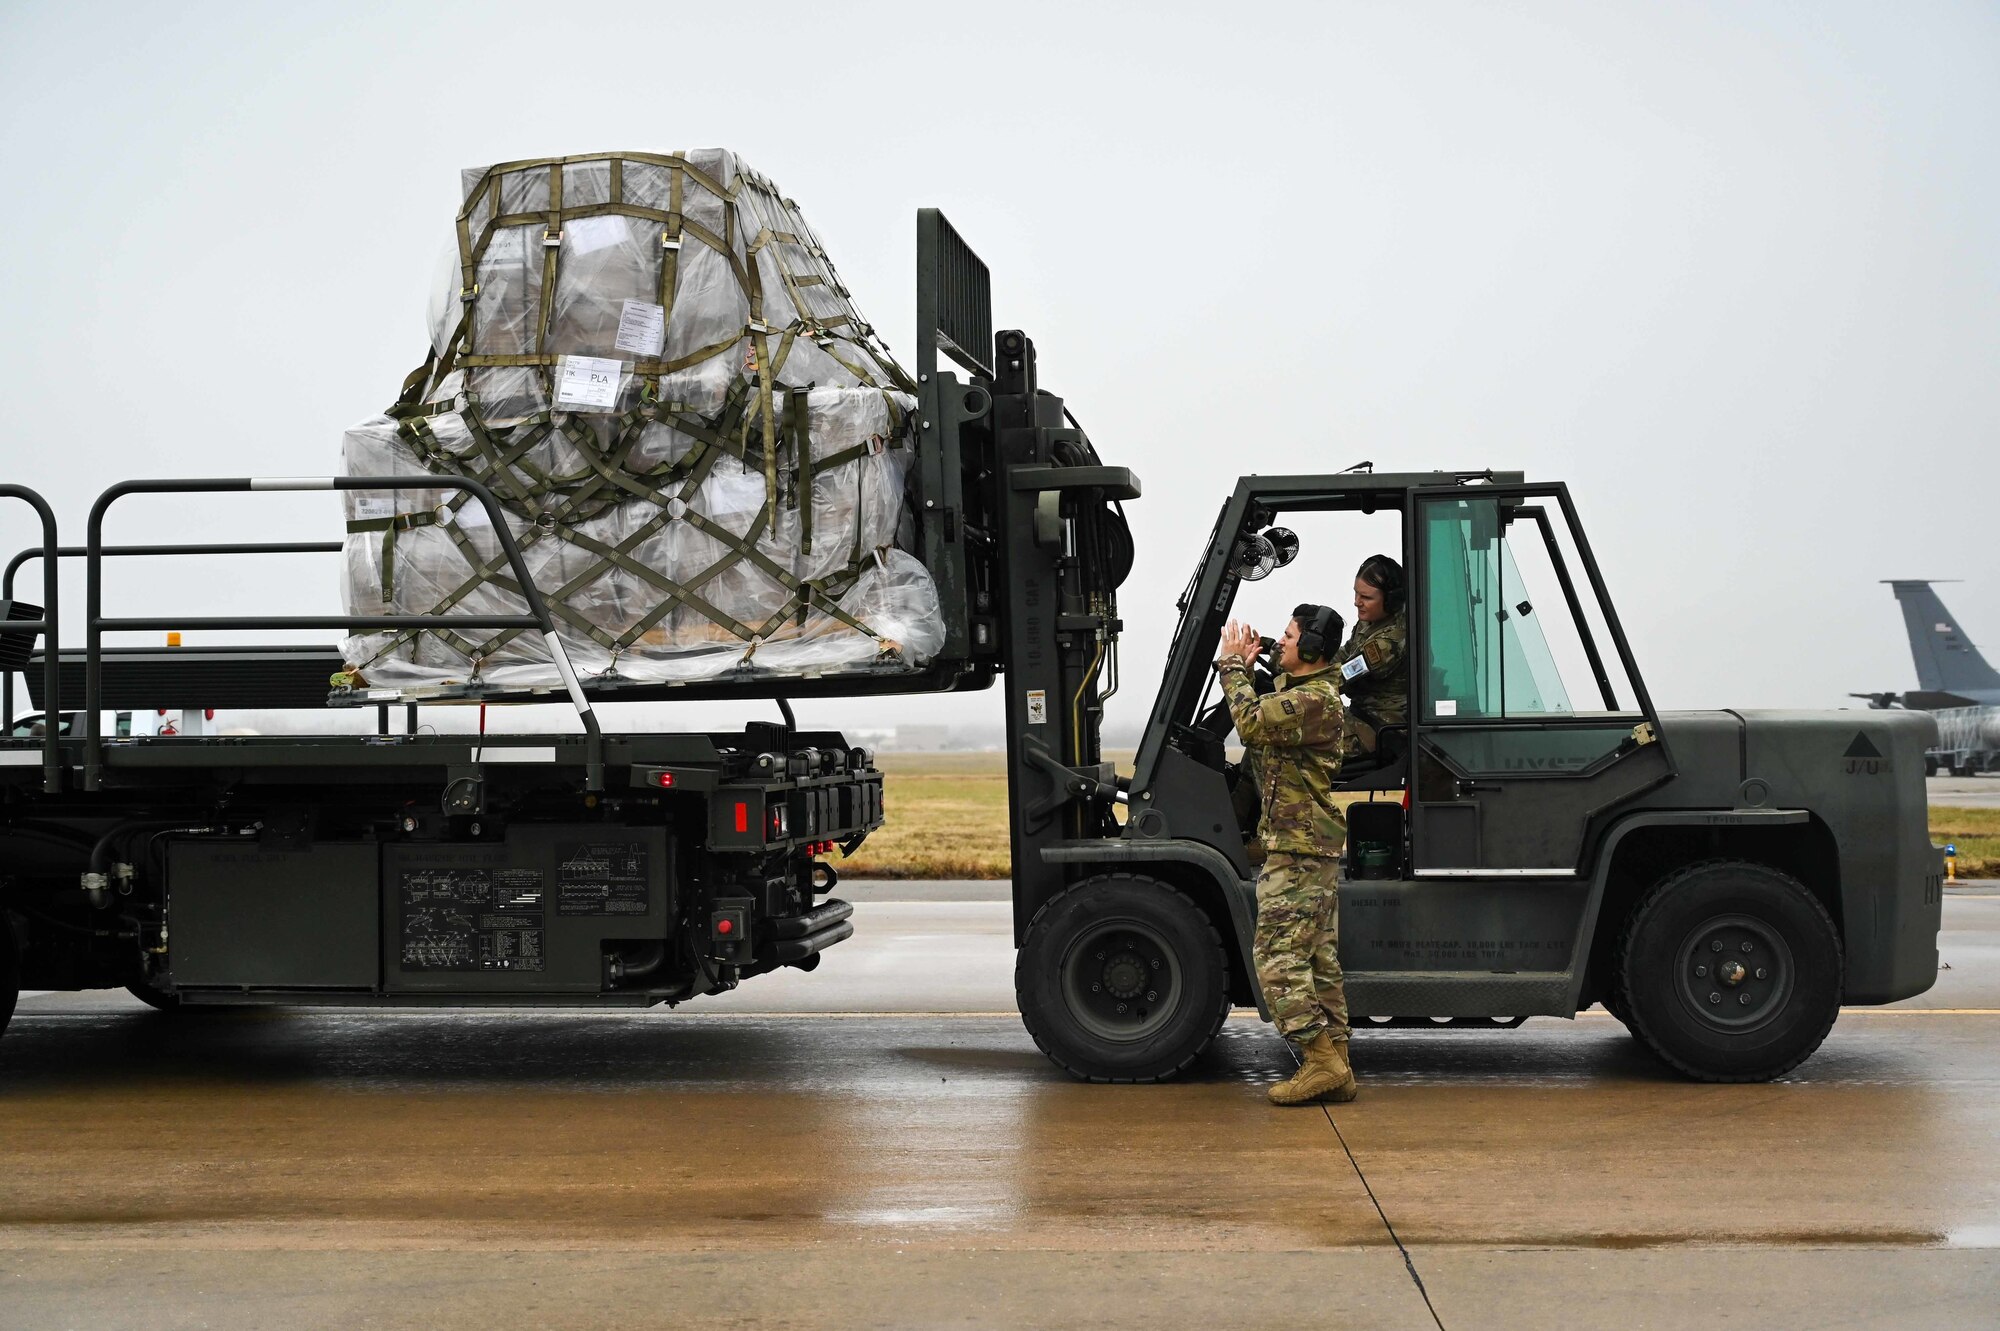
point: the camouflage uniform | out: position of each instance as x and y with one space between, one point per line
1374 671
1292 735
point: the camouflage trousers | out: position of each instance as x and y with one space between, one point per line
1297 946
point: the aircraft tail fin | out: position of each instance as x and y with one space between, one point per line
1947 662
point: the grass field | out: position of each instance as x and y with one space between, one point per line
948 819
1976 833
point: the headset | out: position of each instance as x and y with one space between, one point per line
1319 631
1386 576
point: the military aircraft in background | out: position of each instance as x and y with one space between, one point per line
1950 670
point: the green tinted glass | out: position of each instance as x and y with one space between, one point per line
1485 653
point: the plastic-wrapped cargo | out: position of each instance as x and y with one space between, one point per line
700 445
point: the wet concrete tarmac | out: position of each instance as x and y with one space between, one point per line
741 1167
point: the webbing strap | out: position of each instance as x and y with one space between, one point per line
798 408
389 527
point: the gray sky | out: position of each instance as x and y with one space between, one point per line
1729 269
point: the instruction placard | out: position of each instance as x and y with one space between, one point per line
642 328
471 919
602 878
587 383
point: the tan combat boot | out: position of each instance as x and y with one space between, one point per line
1325 1075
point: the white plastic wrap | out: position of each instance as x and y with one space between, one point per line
680 528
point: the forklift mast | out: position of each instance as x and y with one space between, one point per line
1021 526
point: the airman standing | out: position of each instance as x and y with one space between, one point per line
1293 737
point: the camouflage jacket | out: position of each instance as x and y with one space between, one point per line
1292 739
1374 669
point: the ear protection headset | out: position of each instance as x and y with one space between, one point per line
1319 631
1386 576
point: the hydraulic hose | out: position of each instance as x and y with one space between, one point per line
96 881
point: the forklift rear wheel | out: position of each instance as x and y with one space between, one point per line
1732 971
1122 978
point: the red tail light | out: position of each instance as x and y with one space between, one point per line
742 816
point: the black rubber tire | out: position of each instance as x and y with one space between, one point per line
1674 929
1930 767
10 974
1141 920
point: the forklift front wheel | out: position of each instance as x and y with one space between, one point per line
1122 978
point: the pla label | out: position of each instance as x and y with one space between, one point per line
642 328
373 508
1038 707
587 383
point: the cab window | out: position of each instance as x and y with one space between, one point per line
1508 630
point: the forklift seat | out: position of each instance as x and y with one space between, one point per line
1385 768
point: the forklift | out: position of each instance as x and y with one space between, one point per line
1721 881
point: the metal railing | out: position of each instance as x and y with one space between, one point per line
35 552
46 626
97 623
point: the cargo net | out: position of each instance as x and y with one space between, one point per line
699 444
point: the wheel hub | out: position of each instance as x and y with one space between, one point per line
1125 975
1121 980
1734 972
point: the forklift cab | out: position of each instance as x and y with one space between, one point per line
1526 713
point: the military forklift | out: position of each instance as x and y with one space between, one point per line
1721 881
1535 839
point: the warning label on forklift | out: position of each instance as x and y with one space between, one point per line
470 919
601 878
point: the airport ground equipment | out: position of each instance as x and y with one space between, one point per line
577 869
1528 843
1968 741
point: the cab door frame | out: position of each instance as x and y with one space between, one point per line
1446 834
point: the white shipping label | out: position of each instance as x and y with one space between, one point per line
1038 707
370 508
1447 707
587 383
642 328
586 235
1354 669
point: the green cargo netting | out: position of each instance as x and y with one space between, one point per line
699 443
